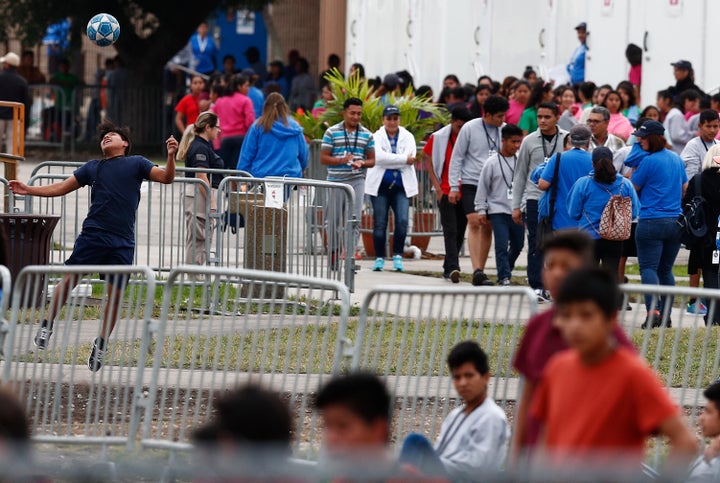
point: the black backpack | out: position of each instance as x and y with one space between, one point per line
693 227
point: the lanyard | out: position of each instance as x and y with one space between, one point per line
202 43
545 153
452 430
512 170
347 139
705 145
393 142
492 143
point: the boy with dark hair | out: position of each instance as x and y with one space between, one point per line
108 232
493 202
598 400
477 141
707 467
474 437
536 149
250 434
566 251
439 149
355 410
347 150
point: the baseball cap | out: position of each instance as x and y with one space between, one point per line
391 80
682 64
601 153
581 26
391 110
648 128
11 58
580 133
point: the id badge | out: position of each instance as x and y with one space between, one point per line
716 257
509 193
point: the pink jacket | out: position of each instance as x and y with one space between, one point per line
620 126
236 115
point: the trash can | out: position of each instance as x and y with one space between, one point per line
27 242
265 239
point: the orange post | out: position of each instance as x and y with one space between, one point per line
18 127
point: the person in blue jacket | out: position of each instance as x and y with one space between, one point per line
274 144
576 67
587 200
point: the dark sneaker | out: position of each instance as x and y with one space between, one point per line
97 357
479 278
654 320
542 295
455 276
505 282
42 338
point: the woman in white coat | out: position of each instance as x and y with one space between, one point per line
390 184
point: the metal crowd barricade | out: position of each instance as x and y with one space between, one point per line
65 401
50 116
211 338
308 230
406 333
160 228
5 291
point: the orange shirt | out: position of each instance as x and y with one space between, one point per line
608 407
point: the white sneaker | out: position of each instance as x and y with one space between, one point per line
542 295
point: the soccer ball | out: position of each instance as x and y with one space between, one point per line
103 29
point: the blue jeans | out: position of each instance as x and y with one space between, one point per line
658 243
535 256
396 199
508 243
418 452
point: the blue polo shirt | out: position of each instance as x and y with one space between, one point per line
115 193
574 164
659 178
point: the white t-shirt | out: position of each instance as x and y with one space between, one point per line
475 442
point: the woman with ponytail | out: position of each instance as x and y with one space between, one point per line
587 200
274 144
197 152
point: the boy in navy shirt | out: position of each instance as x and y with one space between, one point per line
108 232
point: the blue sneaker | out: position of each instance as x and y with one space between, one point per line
379 264
398 263
696 308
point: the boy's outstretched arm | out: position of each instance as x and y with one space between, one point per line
50 190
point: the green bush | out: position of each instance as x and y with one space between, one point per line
409 105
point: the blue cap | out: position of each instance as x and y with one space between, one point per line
648 128
601 153
390 110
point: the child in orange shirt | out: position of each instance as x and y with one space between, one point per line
599 403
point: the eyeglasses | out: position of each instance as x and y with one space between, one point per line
595 121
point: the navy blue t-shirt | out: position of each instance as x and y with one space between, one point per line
115 193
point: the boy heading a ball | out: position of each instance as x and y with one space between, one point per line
108 231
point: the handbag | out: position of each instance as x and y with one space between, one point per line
544 228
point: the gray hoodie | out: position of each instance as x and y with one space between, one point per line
494 191
530 155
474 143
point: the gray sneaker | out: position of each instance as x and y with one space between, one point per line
97 356
42 338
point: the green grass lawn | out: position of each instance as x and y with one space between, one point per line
396 347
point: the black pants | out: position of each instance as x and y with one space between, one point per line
710 280
454 223
607 254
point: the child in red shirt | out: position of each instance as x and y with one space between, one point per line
598 400
188 109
